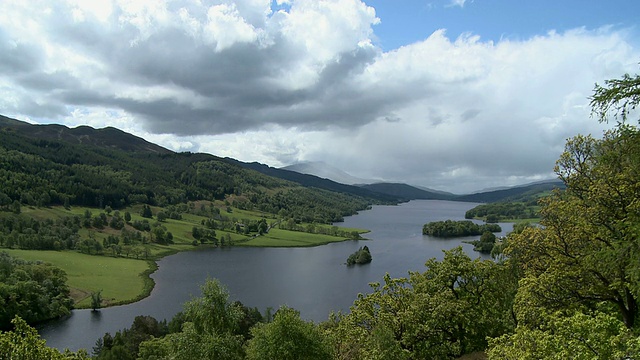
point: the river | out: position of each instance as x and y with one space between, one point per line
314 280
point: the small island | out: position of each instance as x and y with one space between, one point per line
450 228
362 256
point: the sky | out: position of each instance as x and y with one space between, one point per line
454 95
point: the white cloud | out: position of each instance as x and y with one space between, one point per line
305 82
459 3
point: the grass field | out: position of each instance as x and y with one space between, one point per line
121 280
285 238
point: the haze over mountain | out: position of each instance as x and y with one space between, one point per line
324 170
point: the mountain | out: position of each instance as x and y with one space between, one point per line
326 171
108 137
318 182
407 192
45 165
399 191
513 193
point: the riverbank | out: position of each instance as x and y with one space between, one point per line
120 280
124 281
122 272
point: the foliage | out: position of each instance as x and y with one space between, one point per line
485 244
38 172
126 343
495 212
24 343
34 291
287 337
361 256
618 96
211 329
121 280
578 295
587 251
447 311
569 336
450 228
96 300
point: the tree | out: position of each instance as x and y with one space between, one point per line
24 343
574 336
447 311
587 251
127 216
96 300
146 212
288 337
210 329
161 216
586 255
618 96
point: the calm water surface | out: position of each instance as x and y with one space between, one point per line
314 281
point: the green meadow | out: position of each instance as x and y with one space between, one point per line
285 238
125 278
121 280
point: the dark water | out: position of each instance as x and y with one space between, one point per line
314 281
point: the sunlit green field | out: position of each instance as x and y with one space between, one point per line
284 238
121 280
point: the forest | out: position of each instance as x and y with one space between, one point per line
450 228
568 289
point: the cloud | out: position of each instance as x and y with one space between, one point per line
459 3
303 80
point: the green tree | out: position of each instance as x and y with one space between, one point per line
574 336
618 97
96 300
447 311
210 329
24 343
587 250
578 295
146 212
288 337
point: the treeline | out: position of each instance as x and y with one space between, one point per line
498 211
27 233
450 228
34 291
38 172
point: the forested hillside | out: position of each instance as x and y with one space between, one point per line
38 171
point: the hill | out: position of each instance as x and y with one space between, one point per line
54 165
516 193
326 171
320 183
407 192
108 137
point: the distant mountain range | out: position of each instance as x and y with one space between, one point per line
311 174
405 192
326 171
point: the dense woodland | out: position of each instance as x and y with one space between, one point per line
450 228
34 291
568 289
39 172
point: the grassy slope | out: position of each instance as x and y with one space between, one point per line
121 280
284 238
124 280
